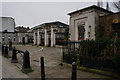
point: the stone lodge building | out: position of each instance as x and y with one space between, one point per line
49 34
92 22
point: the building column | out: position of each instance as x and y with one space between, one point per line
34 38
26 39
46 38
38 37
52 37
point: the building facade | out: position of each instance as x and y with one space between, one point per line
109 26
16 37
7 24
84 23
8 33
48 34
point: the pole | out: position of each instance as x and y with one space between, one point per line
74 71
42 69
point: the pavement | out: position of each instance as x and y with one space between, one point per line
52 57
10 70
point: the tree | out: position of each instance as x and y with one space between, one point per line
117 5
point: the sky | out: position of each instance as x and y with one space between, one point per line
30 14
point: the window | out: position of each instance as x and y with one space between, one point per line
81 31
63 30
116 30
14 38
8 38
3 39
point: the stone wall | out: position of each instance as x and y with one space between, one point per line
106 24
16 38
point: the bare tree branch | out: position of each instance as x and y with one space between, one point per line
117 5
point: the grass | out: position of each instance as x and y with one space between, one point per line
101 72
27 71
8 56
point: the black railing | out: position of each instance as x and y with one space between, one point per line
94 54
26 58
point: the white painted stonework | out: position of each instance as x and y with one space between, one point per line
46 38
35 38
89 19
52 38
38 38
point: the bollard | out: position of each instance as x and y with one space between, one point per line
14 56
10 45
74 71
42 69
26 62
6 52
3 49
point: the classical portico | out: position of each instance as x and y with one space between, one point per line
46 32
49 34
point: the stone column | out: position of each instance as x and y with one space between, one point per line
26 39
46 38
38 37
54 43
76 33
52 37
34 38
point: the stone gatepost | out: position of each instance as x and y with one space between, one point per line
46 38
35 42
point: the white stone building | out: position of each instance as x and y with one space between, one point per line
84 22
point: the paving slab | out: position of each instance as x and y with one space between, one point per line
9 70
52 57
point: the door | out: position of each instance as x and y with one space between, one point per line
23 40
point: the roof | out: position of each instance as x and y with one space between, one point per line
93 6
7 17
117 13
49 24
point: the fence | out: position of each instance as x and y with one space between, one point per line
93 54
26 58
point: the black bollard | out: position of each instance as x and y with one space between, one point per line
6 52
3 49
74 71
42 69
26 62
14 56
10 45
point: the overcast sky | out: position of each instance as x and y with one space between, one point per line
34 13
